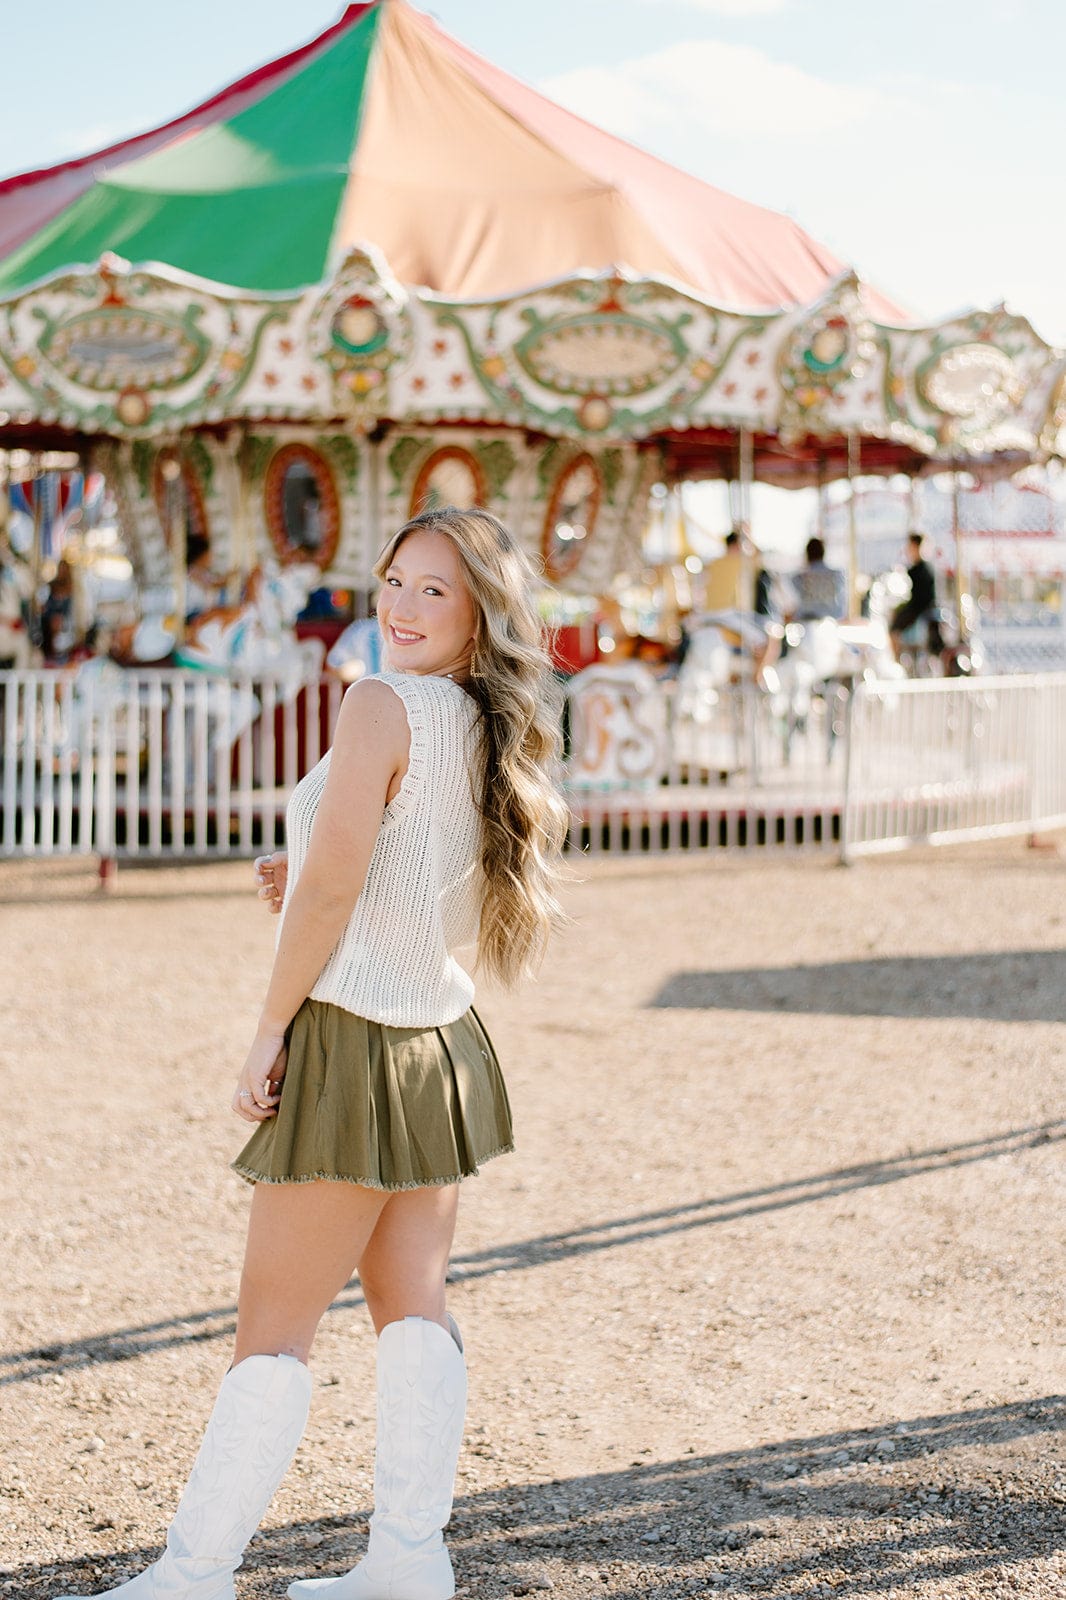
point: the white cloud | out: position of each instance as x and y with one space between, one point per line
938 206
77 141
729 91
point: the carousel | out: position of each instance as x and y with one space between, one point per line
283 322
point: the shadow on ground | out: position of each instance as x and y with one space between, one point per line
857 1511
1002 986
126 1344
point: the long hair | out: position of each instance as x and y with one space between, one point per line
524 819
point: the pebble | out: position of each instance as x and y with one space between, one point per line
534 1582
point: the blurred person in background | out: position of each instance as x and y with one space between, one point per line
819 590
921 603
739 595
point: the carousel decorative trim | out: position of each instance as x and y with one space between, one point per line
186 473
420 494
143 352
559 562
329 505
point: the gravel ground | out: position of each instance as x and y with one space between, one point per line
768 1303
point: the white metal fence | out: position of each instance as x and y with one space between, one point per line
170 764
161 763
667 766
944 760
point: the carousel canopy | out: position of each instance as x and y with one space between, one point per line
382 231
385 130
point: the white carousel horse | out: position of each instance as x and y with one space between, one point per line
15 647
256 638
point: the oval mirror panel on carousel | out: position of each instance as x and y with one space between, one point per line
180 502
302 508
571 518
449 477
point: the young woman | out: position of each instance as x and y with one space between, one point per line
434 822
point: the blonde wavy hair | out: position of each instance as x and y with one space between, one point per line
524 819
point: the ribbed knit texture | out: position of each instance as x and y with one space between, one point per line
422 896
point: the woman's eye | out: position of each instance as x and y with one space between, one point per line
431 590
393 583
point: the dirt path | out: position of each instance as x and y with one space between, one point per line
770 1301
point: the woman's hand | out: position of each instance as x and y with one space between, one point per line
272 874
259 1085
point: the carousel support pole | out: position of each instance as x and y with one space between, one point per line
179 544
242 558
371 498
745 475
956 536
823 500
36 553
5 495
746 463
854 464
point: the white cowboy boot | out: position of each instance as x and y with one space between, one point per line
421 1407
251 1437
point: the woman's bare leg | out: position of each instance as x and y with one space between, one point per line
305 1241
403 1264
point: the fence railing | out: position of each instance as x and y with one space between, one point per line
179 765
944 760
163 763
664 766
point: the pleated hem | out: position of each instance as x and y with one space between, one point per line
251 1176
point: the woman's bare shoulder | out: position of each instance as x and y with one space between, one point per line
372 710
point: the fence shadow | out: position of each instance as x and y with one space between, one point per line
572 1244
1000 986
865 1510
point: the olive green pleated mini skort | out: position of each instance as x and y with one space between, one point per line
390 1108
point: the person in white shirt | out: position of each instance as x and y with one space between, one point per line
433 822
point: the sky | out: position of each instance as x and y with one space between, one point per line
922 141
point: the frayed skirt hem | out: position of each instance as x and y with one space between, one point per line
253 1177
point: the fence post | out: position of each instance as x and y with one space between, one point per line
101 749
854 691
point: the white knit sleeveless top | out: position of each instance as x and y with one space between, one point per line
422 896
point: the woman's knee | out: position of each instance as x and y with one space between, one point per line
388 1301
271 1322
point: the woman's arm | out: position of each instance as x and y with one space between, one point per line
369 753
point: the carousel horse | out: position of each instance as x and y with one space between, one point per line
257 638
15 648
230 645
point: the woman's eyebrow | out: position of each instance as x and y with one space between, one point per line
425 577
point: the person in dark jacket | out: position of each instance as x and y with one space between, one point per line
922 600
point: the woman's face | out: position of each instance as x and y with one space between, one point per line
425 611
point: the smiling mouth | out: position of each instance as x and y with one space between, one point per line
402 637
